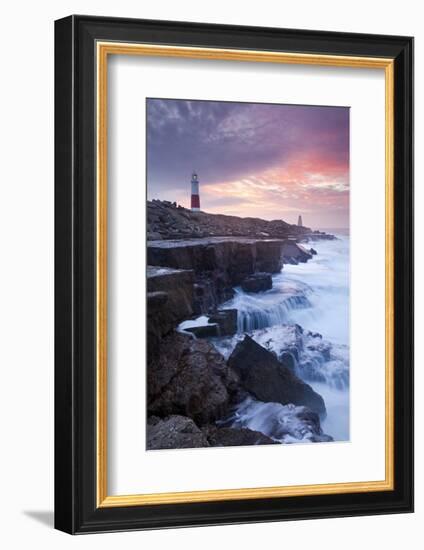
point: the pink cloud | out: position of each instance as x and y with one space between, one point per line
308 183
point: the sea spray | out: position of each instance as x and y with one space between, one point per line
283 423
307 314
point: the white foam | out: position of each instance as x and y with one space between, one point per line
314 295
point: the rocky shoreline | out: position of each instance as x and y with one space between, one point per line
219 264
193 390
167 220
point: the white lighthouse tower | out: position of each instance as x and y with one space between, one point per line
195 198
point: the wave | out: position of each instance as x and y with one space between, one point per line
283 423
255 312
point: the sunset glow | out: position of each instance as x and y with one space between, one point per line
260 160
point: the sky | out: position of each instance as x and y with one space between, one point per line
263 160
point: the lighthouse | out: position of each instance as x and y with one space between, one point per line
299 221
195 198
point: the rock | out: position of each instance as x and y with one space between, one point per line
170 221
190 378
269 256
295 252
313 252
315 359
242 261
220 323
161 215
218 264
288 359
226 319
257 282
152 236
169 301
282 341
283 423
265 377
320 236
204 331
312 424
231 437
177 285
156 300
174 432
211 289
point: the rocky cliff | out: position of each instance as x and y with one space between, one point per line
194 262
169 301
194 397
166 220
218 264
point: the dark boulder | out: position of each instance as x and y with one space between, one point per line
156 300
313 252
315 359
226 319
204 331
294 252
265 377
232 437
288 360
190 378
169 301
219 323
174 432
257 282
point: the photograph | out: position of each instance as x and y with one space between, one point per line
248 273
233 273
211 317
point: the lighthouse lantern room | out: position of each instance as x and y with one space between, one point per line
195 198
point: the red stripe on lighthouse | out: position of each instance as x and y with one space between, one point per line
195 196
195 201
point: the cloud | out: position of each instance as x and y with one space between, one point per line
273 158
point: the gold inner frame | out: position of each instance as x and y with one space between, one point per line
103 50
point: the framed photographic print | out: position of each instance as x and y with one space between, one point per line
234 268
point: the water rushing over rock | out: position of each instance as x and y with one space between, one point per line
273 307
314 359
253 318
304 317
283 423
270 378
280 355
218 264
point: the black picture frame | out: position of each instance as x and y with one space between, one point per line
76 508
